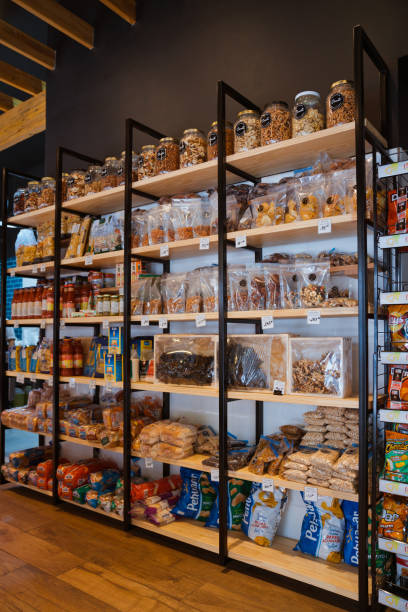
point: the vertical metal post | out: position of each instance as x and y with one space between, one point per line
3 377
222 328
259 406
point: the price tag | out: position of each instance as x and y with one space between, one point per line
105 324
267 322
240 241
92 386
215 475
148 462
392 601
20 377
200 320
35 269
75 228
15 325
267 485
144 321
324 226
72 383
12 274
311 494
121 291
33 378
62 324
204 243
88 260
313 317
164 250
278 387
108 386
43 268
42 325
163 323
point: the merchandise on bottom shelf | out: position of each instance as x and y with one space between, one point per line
238 491
323 529
32 467
197 495
263 512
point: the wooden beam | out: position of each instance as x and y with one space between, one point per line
19 79
26 45
6 102
23 121
124 8
60 18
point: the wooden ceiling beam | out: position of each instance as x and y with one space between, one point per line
26 45
61 19
19 79
23 121
124 8
6 102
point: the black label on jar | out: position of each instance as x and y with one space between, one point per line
140 162
88 177
120 171
161 154
182 147
212 139
266 120
240 128
300 110
336 101
104 172
70 181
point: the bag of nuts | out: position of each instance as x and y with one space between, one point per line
313 278
209 288
173 290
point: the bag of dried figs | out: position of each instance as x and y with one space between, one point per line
173 290
256 287
311 196
272 273
238 287
268 204
193 291
334 203
289 286
313 279
209 288
152 301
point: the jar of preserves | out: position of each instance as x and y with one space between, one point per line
193 148
44 302
99 305
31 196
18 201
38 303
47 196
19 303
106 305
31 303
146 162
167 155
276 123
121 305
78 358
64 186
247 131
307 114
93 180
109 173
212 140
76 184
14 302
50 302
340 103
24 304
67 357
114 305
68 307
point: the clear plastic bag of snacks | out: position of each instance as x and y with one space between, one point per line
238 287
152 299
335 195
248 360
320 366
292 200
25 247
201 218
313 279
185 360
155 226
173 289
193 292
209 288
184 210
272 275
268 204
311 196
256 287
138 295
236 206
289 286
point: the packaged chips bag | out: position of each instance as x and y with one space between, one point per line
394 518
398 324
197 495
350 552
238 491
262 514
396 456
322 531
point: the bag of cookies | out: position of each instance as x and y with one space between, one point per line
311 196
313 278
262 514
197 495
334 203
323 528
269 204
238 491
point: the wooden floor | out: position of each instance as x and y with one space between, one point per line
58 559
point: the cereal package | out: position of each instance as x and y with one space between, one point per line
238 491
197 495
323 527
262 515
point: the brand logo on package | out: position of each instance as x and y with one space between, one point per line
336 101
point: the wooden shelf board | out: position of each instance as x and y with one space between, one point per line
89 444
178 248
100 203
27 486
99 260
26 322
87 380
34 218
29 270
190 532
90 509
37 375
92 320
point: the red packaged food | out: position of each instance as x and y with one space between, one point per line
63 469
42 482
65 492
155 487
398 388
398 324
45 468
398 211
50 484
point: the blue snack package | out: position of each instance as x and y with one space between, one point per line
197 495
238 491
262 514
322 533
350 552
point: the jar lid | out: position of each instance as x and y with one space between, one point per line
148 147
108 159
343 82
275 102
248 111
47 178
168 139
65 174
227 124
307 93
93 168
123 153
192 131
32 183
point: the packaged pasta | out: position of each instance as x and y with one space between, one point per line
138 295
209 288
323 528
152 297
262 514
173 289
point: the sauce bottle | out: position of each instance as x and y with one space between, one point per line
78 358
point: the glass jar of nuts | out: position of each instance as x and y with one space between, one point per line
93 180
76 184
121 167
18 201
340 103
109 173
247 131
307 114
47 196
146 162
193 148
167 155
32 195
64 179
276 124
212 140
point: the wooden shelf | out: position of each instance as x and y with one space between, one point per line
37 375
87 380
178 249
90 509
27 486
341 579
100 203
28 322
33 270
90 444
34 218
100 260
92 320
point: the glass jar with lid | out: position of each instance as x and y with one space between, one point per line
167 155
76 184
109 173
193 148
121 168
47 196
93 180
212 140
307 114
32 195
340 103
276 123
247 131
18 201
147 162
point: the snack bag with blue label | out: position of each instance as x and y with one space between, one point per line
262 514
197 495
237 494
350 552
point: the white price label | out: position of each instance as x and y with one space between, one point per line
324 226
278 387
15 325
43 268
204 243
20 377
163 323
240 241
72 383
313 317
394 357
148 462
88 260
12 274
75 228
62 324
311 494
392 601
105 324
108 386
92 386
396 297
200 320
42 325
35 269
267 322
267 485
33 378
121 291
144 321
215 475
164 250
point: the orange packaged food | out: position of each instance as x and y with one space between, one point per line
398 387
398 324
394 519
398 211
45 468
155 487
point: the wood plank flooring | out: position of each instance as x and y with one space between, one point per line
54 559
